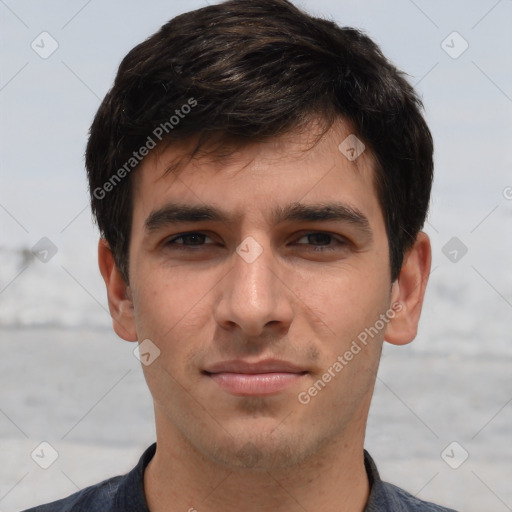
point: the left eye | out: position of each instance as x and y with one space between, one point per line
322 240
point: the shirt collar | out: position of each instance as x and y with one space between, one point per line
130 493
378 499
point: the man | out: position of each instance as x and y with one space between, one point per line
260 179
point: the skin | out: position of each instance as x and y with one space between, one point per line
205 303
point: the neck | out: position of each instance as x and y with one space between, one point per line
179 478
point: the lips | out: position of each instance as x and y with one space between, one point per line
254 379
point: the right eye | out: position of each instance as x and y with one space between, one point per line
191 239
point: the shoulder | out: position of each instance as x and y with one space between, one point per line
388 497
117 494
96 498
402 501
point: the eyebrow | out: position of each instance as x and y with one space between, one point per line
173 213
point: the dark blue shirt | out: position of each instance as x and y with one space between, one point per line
126 494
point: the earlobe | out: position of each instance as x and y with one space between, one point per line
120 303
409 291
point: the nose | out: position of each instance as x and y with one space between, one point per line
253 296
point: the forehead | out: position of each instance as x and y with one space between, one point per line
310 165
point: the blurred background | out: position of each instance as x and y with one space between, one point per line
440 423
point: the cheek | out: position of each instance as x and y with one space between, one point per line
148 301
350 354
347 300
174 311
163 296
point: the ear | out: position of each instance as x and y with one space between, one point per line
408 291
120 303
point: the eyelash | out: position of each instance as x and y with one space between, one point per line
317 248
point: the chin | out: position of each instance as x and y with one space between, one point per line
261 449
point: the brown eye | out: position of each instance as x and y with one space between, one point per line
320 241
192 239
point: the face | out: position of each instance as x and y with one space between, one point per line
258 301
